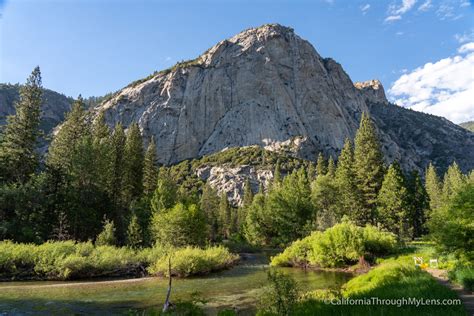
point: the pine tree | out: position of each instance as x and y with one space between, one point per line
331 167
209 205
311 171
321 167
224 216
101 135
150 170
246 202
418 204
133 173
134 233
369 167
100 130
107 236
166 192
324 197
349 199
452 182
433 187
117 162
18 156
71 133
393 202
277 174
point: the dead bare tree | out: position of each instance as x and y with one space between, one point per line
168 304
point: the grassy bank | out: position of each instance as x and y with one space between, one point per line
394 279
67 260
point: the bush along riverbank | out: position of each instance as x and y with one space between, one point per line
67 260
385 290
340 246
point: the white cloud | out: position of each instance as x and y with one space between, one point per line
392 18
425 6
444 88
365 8
399 33
464 3
396 12
465 37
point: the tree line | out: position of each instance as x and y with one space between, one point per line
102 184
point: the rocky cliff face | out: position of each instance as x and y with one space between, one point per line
267 86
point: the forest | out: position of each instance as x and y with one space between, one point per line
98 204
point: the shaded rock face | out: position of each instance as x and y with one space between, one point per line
266 86
230 180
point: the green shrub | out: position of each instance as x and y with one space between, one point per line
339 245
191 261
465 277
280 296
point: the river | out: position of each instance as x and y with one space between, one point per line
237 288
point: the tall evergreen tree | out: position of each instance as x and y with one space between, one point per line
349 199
133 173
134 233
210 205
311 171
63 148
166 192
452 182
393 203
369 167
103 150
224 216
246 202
331 167
277 173
324 196
433 187
18 156
418 204
321 167
117 164
150 169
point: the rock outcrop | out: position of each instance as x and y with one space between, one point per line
372 91
267 86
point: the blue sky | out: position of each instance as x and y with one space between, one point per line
97 46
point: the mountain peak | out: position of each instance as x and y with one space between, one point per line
372 90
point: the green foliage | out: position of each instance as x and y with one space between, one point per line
165 195
324 196
107 236
225 220
368 166
209 205
452 226
282 215
321 166
465 277
349 198
64 260
340 245
418 205
280 296
150 170
134 233
393 203
179 226
133 167
18 156
433 187
191 261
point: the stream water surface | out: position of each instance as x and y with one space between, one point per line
237 288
